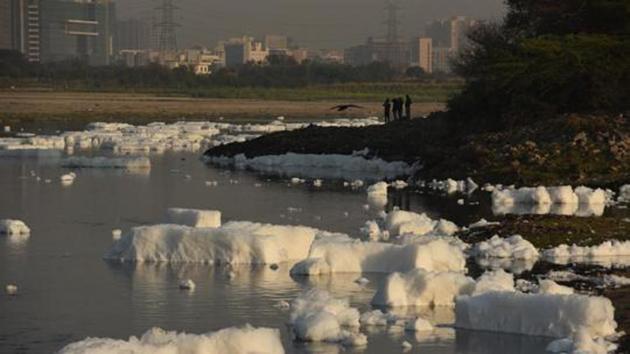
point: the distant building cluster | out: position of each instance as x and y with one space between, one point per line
56 30
432 51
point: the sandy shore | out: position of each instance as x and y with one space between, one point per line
29 106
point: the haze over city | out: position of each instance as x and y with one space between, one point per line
313 23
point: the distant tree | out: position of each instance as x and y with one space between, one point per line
13 64
415 72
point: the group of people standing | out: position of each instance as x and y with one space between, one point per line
397 108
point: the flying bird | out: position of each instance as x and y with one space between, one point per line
345 107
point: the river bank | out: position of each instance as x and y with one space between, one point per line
572 149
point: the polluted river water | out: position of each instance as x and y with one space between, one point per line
68 291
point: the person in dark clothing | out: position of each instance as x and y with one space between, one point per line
387 106
408 107
400 108
395 108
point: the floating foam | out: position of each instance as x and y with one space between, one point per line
419 287
13 227
318 317
611 250
345 255
317 166
548 315
194 217
561 200
233 243
400 222
243 340
514 247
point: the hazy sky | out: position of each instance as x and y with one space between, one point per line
312 23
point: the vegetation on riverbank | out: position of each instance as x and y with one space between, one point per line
548 231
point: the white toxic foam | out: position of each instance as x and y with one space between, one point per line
560 200
318 166
234 243
318 317
551 315
610 249
514 247
243 340
194 217
419 287
13 227
400 222
345 255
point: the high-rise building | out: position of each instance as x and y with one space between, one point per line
6 28
24 28
80 29
449 38
239 51
133 34
441 59
396 54
422 53
459 28
54 30
440 32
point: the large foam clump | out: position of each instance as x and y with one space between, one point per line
514 247
377 195
345 255
157 137
194 217
400 222
318 166
560 200
611 248
234 243
318 317
245 340
551 315
423 288
13 227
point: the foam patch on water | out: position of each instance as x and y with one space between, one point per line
243 340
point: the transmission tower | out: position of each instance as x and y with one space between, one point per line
165 26
392 22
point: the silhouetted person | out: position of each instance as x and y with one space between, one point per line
400 108
408 107
387 107
394 109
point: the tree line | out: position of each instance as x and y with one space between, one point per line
279 72
546 58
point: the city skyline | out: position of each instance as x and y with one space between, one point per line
315 24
